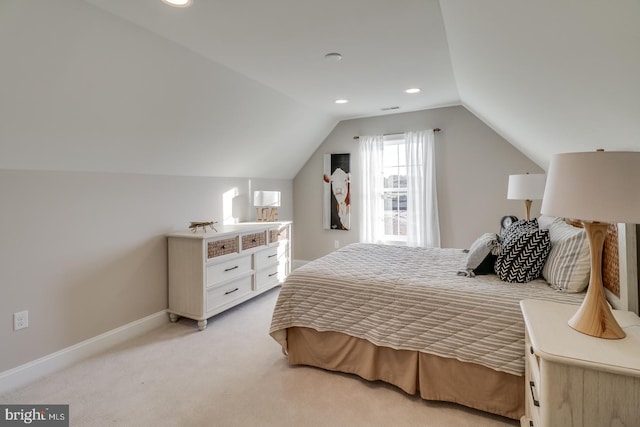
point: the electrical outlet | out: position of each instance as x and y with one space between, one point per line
336 244
20 320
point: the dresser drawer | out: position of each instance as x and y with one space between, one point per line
270 276
271 256
216 248
227 270
278 234
254 240
224 294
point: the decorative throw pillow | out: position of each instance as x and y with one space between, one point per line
506 221
568 266
517 228
481 257
524 252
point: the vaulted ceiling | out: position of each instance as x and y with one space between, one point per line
243 88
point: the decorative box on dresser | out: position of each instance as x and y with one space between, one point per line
212 271
576 380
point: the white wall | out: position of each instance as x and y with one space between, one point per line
111 136
473 166
86 252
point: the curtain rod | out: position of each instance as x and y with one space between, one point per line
400 133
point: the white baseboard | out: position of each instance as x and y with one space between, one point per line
298 263
31 371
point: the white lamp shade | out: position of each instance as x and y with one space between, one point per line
602 186
526 187
266 198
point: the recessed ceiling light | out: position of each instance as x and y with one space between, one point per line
178 3
333 56
341 101
413 90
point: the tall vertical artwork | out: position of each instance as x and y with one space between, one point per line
337 191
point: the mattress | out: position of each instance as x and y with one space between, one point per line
407 298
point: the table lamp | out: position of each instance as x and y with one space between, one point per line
596 188
527 187
266 204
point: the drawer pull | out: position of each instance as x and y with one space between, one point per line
532 386
531 349
271 256
273 274
231 291
530 423
231 268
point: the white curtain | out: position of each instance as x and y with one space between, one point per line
371 201
423 228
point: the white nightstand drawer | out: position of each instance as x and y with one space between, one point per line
533 363
221 295
532 390
221 272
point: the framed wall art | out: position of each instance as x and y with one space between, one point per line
337 191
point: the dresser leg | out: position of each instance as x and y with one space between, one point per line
173 318
202 324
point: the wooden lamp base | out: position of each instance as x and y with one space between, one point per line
527 209
594 317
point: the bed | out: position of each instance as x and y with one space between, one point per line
404 316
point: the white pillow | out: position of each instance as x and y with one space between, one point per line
568 266
544 221
482 255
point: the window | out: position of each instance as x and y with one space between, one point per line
394 190
398 189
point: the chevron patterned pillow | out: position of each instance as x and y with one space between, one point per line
517 228
524 252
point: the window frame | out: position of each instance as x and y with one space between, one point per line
398 239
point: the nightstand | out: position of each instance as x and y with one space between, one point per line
576 380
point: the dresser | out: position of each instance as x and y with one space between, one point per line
212 271
575 380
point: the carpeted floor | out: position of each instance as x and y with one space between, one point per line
231 374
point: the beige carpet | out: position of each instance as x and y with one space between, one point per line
231 374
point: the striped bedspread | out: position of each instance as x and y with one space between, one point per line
411 299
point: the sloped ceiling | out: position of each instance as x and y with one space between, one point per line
223 88
387 47
241 88
550 76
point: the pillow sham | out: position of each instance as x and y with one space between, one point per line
568 266
523 255
544 221
481 257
